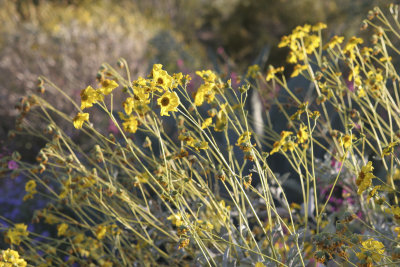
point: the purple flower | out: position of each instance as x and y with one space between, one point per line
180 63
12 165
350 85
112 128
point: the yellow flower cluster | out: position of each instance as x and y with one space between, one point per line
62 229
244 138
301 41
350 47
30 188
371 251
346 140
286 142
10 258
159 81
253 71
192 141
365 177
16 234
79 119
298 69
208 89
272 71
335 40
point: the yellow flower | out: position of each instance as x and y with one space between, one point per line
397 230
365 177
301 31
385 59
366 51
361 92
30 188
221 119
62 229
79 119
374 248
298 69
351 45
272 71
107 86
168 102
252 71
101 231
283 143
89 96
319 26
387 150
130 124
205 92
396 212
207 75
302 134
196 144
11 258
142 89
162 79
244 138
292 57
183 242
15 234
207 122
141 108
275 147
346 141
177 79
176 219
311 43
355 74
128 105
373 192
336 40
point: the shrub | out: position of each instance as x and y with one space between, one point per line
184 179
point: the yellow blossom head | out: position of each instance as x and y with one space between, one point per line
169 101
89 96
107 86
79 119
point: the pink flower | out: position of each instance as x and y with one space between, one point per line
234 79
220 50
112 128
180 63
12 165
336 164
350 85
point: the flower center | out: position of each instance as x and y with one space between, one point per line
105 83
160 80
165 101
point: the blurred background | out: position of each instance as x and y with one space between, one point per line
68 40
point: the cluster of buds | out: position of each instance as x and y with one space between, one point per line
247 180
40 86
182 154
24 106
183 242
221 175
41 157
98 154
328 245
